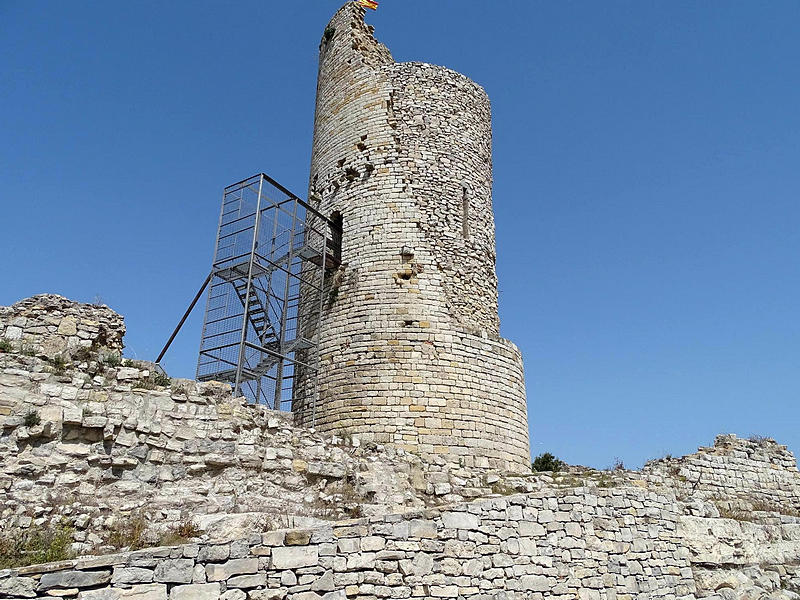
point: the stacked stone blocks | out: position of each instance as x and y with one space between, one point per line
580 543
723 520
51 326
410 346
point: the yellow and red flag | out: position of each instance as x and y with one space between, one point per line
371 4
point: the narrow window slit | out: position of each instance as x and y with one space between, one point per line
464 213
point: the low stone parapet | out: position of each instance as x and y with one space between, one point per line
737 474
584 543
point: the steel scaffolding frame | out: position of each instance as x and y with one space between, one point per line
265 293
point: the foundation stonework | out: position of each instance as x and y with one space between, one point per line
410 349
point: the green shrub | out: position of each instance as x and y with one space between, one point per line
329 33
35 545
6 346
59 364
547 462
32 419
161 379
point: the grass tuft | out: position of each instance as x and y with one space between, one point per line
32 419
153 381
128 533
181 533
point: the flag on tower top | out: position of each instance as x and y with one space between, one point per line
368 4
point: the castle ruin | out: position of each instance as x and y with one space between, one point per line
103 461
410 351
118 482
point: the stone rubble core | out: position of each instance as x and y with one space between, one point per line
49 325
410 351
110 441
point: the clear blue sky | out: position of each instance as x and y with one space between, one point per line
646 192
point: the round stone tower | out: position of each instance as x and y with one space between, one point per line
409 339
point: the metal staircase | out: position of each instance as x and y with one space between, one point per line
266 291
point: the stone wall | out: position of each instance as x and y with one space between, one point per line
100 447
581 543
739 474
443 125
570 543
409 340
49 325
92 442
743 559
99 441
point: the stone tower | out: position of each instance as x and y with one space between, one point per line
409 340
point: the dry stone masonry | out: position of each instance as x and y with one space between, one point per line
584 543
625 542
96 447
410 347
744 474
49 327
101 441
416 480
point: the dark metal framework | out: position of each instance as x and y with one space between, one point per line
266 292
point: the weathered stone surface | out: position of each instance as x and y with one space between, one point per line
207 591
293 557
324 583
73 579
131 575
460 520
155 591
236 566
247 581
274 594
177 570
137 592
213 553
101 594
20 587
297 538
536 583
